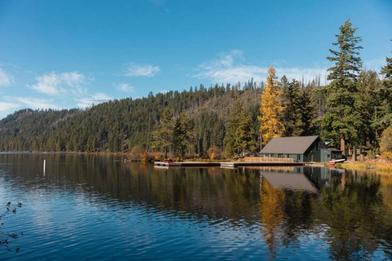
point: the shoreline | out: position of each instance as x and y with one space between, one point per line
381 167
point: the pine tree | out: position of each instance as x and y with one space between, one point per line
182 135
271 109
385 110
368 104
306 111
163 135
299 111
238 137
341 121
291 114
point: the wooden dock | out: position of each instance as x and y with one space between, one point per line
235 164
187 164
226 165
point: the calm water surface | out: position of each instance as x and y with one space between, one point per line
89 207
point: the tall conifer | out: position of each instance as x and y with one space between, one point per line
341 121
238 137
271 109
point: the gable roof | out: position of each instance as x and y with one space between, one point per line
289 145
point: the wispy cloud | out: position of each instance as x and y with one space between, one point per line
134 70
56 83
7 106
10 104
125 87
5 78
34 103
231 68
95 99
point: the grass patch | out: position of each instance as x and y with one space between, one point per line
377 166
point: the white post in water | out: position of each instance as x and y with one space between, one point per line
44 166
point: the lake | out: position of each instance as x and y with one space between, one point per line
98 207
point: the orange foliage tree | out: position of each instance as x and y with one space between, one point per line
271 109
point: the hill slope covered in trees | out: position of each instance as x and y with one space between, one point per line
123 124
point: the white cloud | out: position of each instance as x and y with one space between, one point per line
134 70
56 83
125 87
6 106
230 68
13 103
92 100
5 78
34 103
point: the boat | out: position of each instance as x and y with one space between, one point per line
334 161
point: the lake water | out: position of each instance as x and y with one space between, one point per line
97 208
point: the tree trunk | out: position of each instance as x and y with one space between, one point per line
343 144
354 158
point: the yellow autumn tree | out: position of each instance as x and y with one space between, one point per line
271 108
271 213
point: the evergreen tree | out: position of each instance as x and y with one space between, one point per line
163 135
368 104
307 113
342 121
384 115
271 109
291 113
182 135
299 111
238 138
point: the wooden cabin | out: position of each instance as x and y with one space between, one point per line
300 149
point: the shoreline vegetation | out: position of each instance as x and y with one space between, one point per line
378 166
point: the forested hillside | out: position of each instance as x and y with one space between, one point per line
123 124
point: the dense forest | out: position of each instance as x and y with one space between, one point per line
351 112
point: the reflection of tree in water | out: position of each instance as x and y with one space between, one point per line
350 213
354 215
284 214
298 209
196 192
271 214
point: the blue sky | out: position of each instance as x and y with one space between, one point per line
64 54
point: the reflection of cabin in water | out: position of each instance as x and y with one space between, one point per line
300 149
290 181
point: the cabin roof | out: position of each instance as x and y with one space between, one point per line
289 145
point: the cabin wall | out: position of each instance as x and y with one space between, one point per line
295 157
313 154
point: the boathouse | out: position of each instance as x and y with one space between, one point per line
300 149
